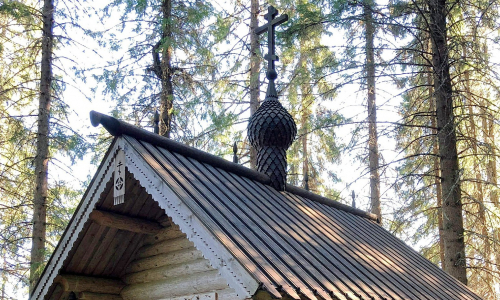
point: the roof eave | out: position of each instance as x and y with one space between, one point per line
117 128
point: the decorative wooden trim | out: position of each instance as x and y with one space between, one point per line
220 258
118 221
75 226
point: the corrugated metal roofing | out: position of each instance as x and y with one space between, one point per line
297 245
295 242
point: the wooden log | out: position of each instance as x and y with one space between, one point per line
98 296
165 221
164 272
226 294
123 222
202 296
165 259
77 283
174 287
165 246
168 233
57 293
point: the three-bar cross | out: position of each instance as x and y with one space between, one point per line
269 27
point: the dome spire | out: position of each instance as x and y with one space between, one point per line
271 130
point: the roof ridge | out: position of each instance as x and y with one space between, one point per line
118 127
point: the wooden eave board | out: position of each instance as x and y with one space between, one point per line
296 245
104 252
77 225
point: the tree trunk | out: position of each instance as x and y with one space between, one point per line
304 124
373 155
437 171
491 170
254 71
453 228
167 90
305 162
42 152
479 191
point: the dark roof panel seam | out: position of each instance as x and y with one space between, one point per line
395 254
355 291
228 211
222 228
270 222
363 269
426 264
387 279
418 258
360 226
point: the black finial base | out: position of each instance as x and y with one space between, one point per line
272 161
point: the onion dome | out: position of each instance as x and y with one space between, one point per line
271 130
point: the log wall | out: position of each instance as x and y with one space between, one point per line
169 267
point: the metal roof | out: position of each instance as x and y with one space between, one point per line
297 245
293 243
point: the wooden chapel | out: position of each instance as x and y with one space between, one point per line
161 220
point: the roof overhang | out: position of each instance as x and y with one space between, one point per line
220 258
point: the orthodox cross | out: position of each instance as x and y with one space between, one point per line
269 27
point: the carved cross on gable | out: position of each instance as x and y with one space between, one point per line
269 27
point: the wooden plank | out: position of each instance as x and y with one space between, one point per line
164 220
225 294
124 222
78 283
77 252
146 209
202 296
101 250
111 251
138 203
118 255
107 195
120 268
88 248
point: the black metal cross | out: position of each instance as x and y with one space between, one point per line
269 27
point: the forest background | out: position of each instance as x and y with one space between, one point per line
396 105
